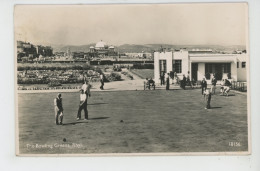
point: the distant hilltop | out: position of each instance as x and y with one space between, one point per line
137 48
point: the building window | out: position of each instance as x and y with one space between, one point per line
162 65
209 68
227 68
178 68
243 64
237 64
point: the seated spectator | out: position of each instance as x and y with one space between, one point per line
147 83
151 82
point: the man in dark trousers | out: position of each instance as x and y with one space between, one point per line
189 80
203 86
168 81
207 98
183 82
162 78
101 82
58 109
213 84
83 105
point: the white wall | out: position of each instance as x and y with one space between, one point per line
234 70
184 57
242 72
168 56
237 74
201 71
156 67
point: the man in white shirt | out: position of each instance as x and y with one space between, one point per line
86 88
83 105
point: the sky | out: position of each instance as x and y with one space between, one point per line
177 24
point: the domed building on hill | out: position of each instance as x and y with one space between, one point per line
101 49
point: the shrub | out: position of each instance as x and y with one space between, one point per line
112 77
130 76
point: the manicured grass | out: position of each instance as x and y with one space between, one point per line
134 122
144 73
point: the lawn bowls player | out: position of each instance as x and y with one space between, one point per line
86 88
207 97
82 105
58 109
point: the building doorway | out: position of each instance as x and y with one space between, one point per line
219 69
162 67
194 71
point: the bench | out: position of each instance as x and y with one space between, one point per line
150 85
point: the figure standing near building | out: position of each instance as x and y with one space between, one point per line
183 82
189 80
82 105
162 78
102 81
207 98
203 86
167 81
213 84
176 81
165 77
58 109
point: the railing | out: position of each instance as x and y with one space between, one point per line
240 86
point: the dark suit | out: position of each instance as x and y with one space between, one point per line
183 82
203 86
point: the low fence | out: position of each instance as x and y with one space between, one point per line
49 88
240 86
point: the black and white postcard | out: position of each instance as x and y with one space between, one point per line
132 79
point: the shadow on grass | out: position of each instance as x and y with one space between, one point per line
173 89
228 95
73 123
108 89
97 103
98 118
215 107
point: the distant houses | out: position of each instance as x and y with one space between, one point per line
27 51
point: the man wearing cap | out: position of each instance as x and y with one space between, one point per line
82 105
58 109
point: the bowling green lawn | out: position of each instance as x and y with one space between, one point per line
152 121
